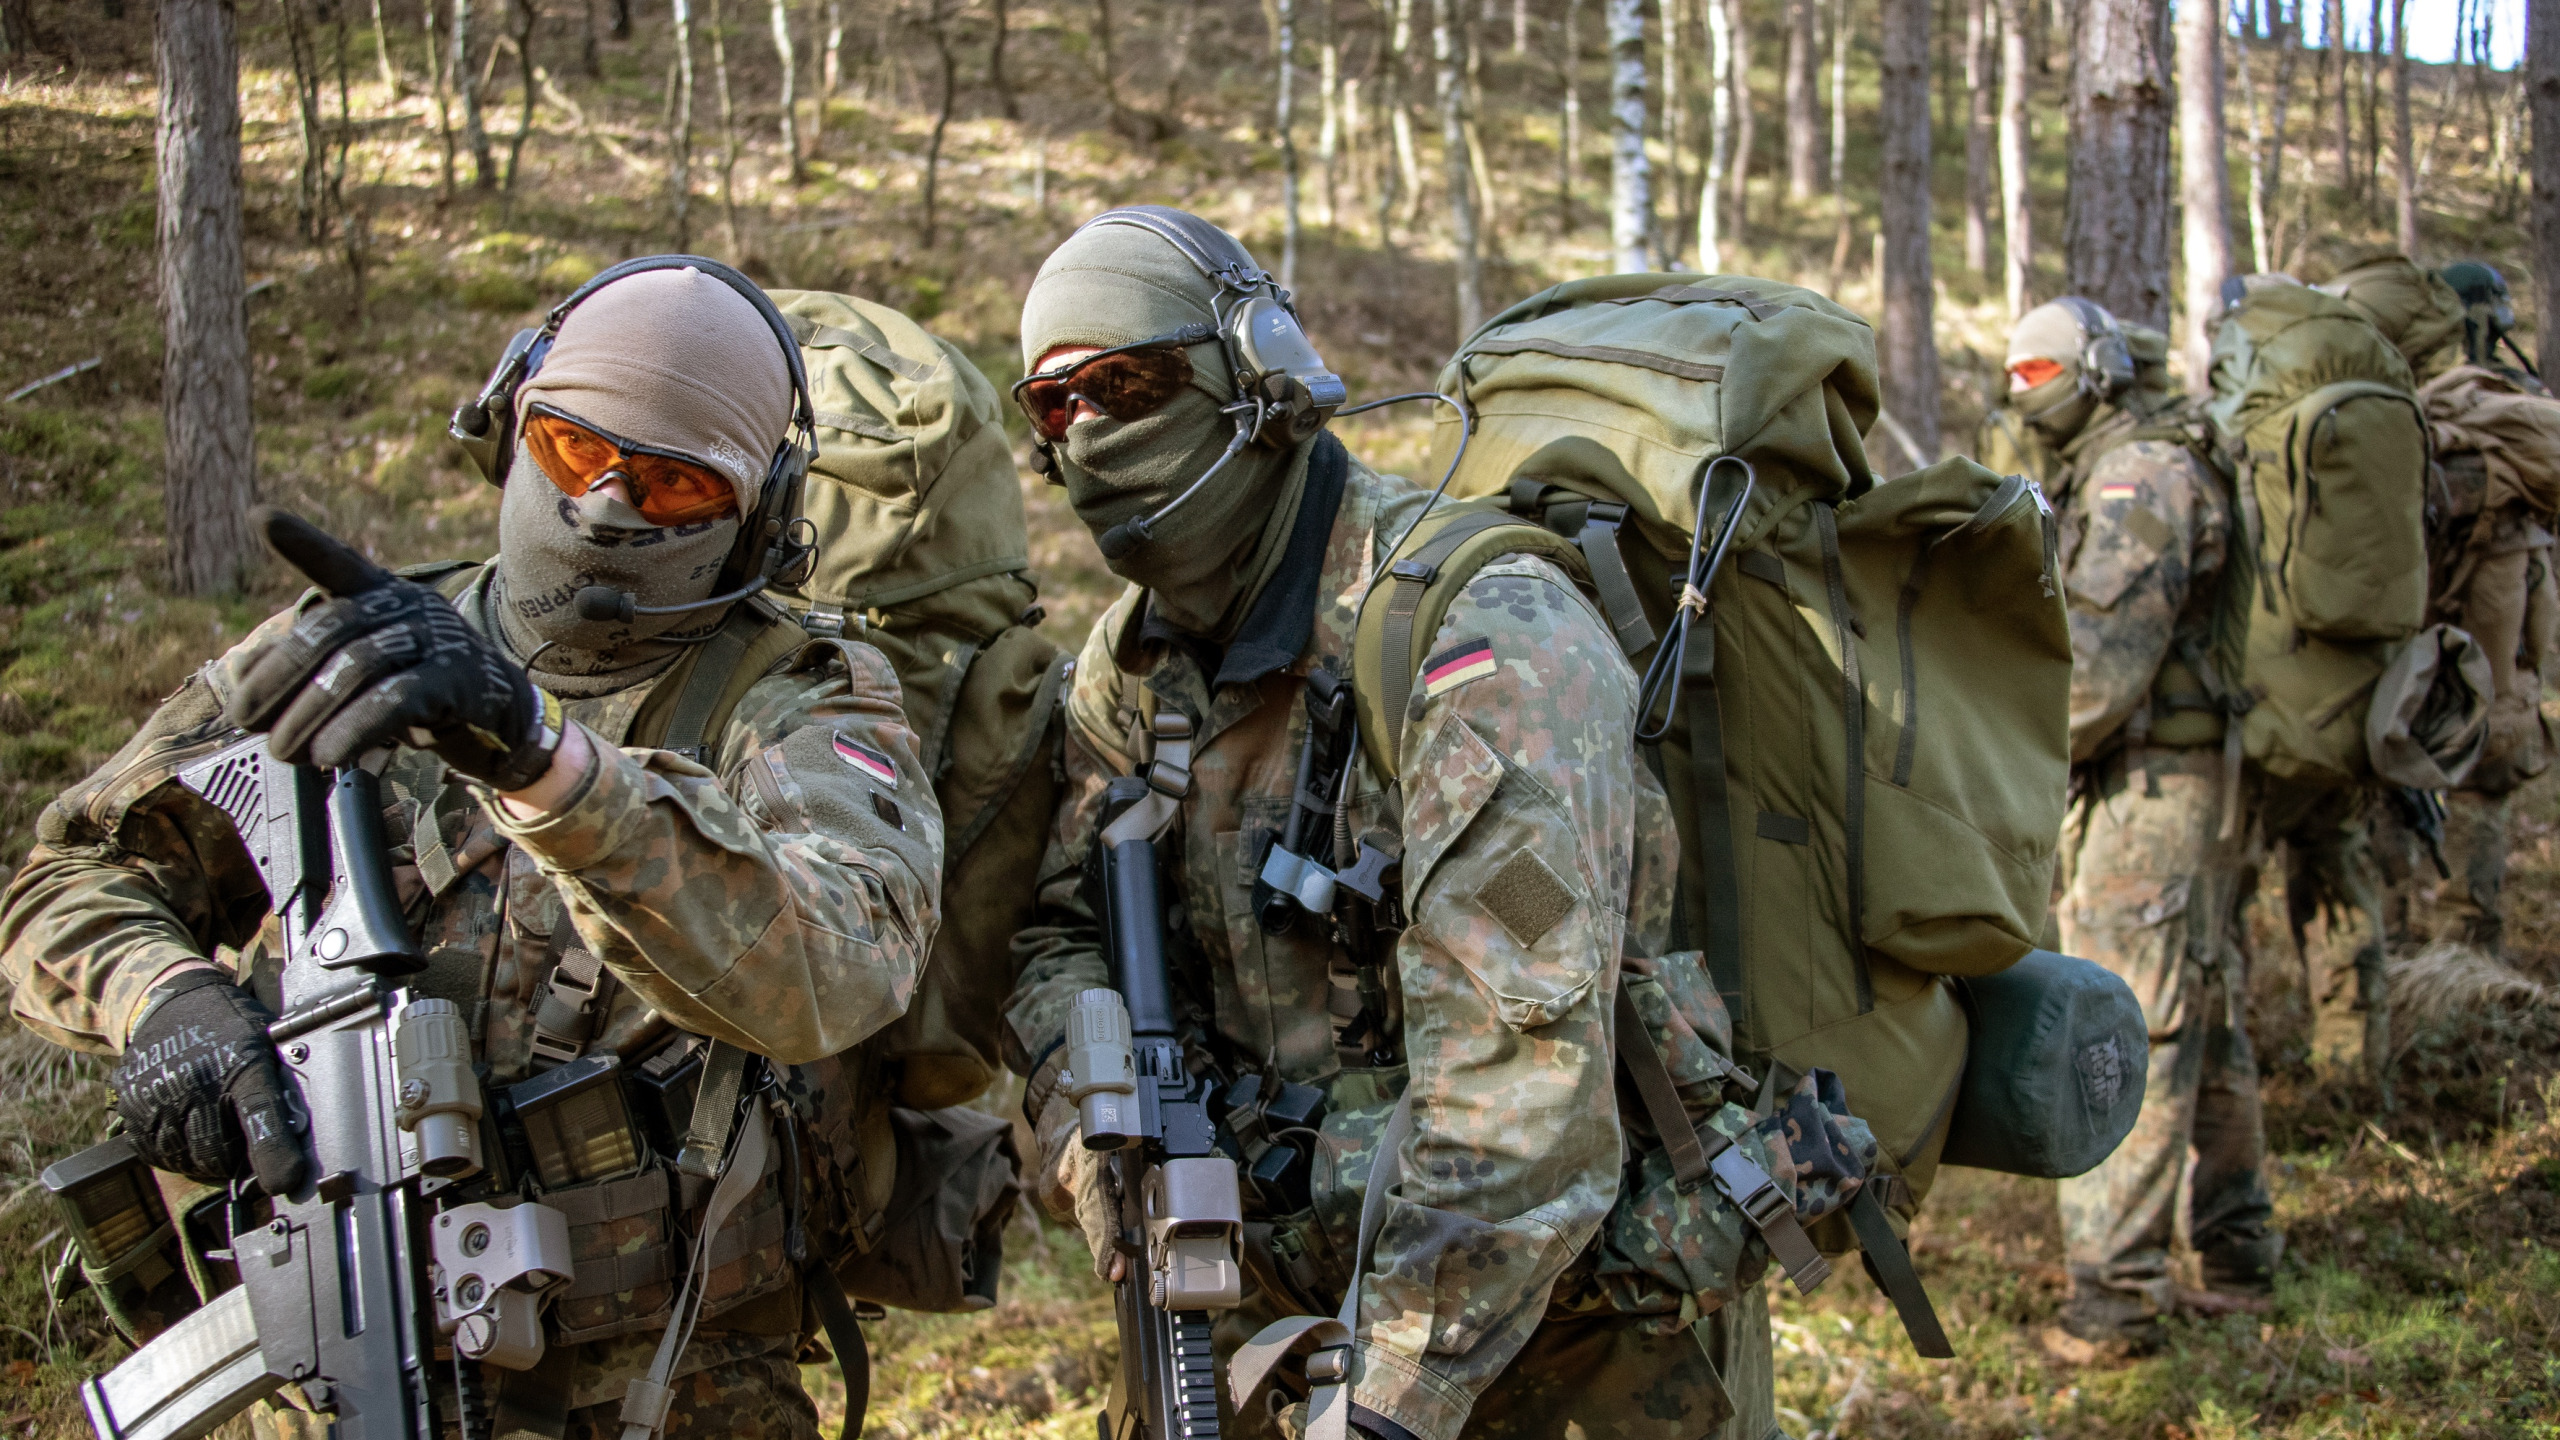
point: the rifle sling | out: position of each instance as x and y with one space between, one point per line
844 1336
1894 1274
533 1404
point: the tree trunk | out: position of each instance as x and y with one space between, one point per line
382 54
1569 155
1804 132
466 78
1329 128
1408 176
1839 141
1907 346
1746 129
524 78
1284 121
1978 40
1630 173
789 52
679 125
2204 177
941 20
1675 130
2373 102
2542 94
1719 136
728 131
310 207
996 78
429 19
2400 161
209 470
1519 27
2267 133
2336 57
2017 153
1454 160
2116 229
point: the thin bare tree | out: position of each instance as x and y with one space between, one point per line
788 51
2542 92
1405 185
679 125
1839 141
1284 123
523 46
2267 130
938 16
1745 117
2204 176
1329 118
2404 169
1719 136
997 80
1630 173
2334 37
729 140
1804 133
1674 91
1450 90
208 464
382 55
1569 124
1907 346
432 20
2116 227
466 79
2017 219
1979 19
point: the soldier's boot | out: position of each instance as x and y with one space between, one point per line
2121 1315
2242 1264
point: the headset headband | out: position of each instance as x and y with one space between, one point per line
1197 241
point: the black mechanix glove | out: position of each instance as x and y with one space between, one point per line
386 661
199 1089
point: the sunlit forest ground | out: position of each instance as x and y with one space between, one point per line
2421 1295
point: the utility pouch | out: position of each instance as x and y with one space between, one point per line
128 1247
2054 1079
941 1243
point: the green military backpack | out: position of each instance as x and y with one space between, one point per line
1865 744
2314 414
922 554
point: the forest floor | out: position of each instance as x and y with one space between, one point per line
2421 1292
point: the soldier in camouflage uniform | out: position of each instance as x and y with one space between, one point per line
575 886
2151 852
1533 848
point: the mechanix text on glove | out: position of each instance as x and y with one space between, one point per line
200 1091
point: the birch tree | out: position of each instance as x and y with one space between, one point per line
1569 155
1449 82
788 52
466 80
1804 132
1839 140
1745 126
1907 347
2402 166
2116 228
2017 152
1719 136
679 124
208 466
2204 178
1978 40
1630 173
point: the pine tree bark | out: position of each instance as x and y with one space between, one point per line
2401 163
1978 40
2017 154
1804 130
1630 173
2204 177
1448 61
2116 228
1907 343
208 465
2542 94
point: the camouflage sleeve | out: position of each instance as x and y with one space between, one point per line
788 912
2128 581
1521 802
1060 953
131 874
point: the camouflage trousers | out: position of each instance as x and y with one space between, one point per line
2468 908
754 1397
2334 867
2149 891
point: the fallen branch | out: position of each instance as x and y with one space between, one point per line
579 127
57 377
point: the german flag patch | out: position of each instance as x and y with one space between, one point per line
1467 660
867 760
2119 490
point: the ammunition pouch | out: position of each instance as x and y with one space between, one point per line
627 1238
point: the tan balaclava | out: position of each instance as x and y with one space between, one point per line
673 359
2059 407
1119 285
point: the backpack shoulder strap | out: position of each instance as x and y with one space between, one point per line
692 706
1403 610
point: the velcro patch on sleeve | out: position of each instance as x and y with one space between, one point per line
2119 490
1526 897
865 759
1467 660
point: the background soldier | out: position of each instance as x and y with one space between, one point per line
571 894
2152 851
1533 847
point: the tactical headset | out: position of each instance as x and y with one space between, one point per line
2106 361
1283 392
766 548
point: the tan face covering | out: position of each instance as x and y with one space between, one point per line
668 358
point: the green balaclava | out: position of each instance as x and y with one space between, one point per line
673 359
1119 285
2059 407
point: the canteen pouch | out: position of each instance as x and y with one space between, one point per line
2055 1076
940 1246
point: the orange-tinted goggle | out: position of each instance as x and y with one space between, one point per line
1126 382
666 488
2034 371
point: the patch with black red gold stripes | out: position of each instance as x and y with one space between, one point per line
1467 660
867 760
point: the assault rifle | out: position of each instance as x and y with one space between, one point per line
1174 1195
345 1284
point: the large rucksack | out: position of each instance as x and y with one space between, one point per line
1867 757
2412 306
2314 413
922 554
